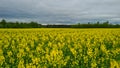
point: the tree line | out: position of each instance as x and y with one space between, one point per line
32 24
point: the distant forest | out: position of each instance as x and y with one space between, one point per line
5 24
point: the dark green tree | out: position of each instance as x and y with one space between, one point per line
3 23
98 22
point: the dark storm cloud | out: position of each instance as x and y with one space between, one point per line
60 11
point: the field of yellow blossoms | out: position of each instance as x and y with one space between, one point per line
59 48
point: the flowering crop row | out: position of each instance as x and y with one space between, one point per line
60 48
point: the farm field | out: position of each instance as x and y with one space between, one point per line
60 48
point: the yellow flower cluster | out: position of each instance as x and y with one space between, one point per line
59 48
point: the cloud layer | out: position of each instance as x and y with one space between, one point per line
60 11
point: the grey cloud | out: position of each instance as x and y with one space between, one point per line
70 11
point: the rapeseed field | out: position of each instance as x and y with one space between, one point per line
59 48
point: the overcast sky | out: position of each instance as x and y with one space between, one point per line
60 11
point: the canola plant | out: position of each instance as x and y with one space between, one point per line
59 48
